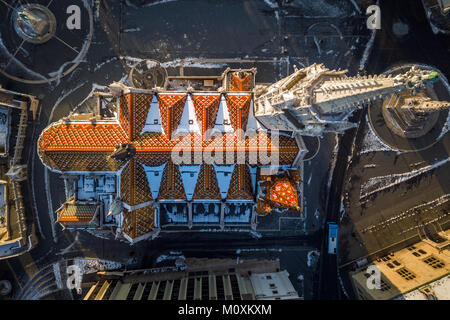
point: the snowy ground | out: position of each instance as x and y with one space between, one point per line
407 214
377 184
173 255
313 258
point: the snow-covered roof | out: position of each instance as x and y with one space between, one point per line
188 122
153 120
77 213
222 122
189 175
224 174
440 289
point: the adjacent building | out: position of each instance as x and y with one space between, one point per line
198 279
17 111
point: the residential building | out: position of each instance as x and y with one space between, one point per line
197 279
16 226
419 271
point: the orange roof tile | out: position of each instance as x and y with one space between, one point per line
283 192
138 222
238 108
171 108
134 188
141 107
152 148
82 136
206 107
207 186
240 184
133 109
236 83
280 191
171 183
124 113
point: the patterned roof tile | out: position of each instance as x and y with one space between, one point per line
207 186
239 107
238 83
171 108
206 107
124 112
134 188
82 136
80 161
241 184
171 183
138 222
140 109
77 213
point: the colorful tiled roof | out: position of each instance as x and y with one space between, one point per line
284 193
280 191
83 136
80 160
72 212
134 188
171 108
87 146
153 158
105 137
156 149
133 109
138 222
